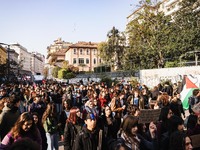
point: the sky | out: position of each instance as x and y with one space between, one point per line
35 24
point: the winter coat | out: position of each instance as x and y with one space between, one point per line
70 132
86 140
8 117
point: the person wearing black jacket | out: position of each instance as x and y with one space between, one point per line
176 106
9 115
73 126
88 138
40 127
64 115
108 124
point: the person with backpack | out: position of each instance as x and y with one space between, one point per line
73 126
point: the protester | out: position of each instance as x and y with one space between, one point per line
196 129
168 88
40 127
163 124
94 100
118 109
51 126
37 106
191 121
108 124
176 106
9 115
73 126
180 141
90 108
88 138
129 135
175 125
3 93
193 99
64 113
3 103
24 144
23 128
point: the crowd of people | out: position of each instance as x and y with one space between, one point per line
95 117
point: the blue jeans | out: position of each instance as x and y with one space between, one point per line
58 108
52 141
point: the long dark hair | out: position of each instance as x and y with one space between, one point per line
49 112
128 123
72 115
39 123
177 141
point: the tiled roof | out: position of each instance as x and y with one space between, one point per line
84 45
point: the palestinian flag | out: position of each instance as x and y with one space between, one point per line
188 87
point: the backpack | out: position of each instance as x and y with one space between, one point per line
50 126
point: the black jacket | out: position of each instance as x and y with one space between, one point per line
69 136
86 140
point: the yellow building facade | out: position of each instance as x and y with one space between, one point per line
3 55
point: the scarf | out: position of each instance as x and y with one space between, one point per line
132 143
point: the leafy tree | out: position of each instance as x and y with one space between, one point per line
116 44
65 64
55 71
112 51
187 24
148 38
53 59
69 75
104 55
61 73
46 72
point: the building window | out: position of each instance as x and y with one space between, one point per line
74 60
81 60
94 51
81 52
94 60
88 52
99 60
87 61
74 51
